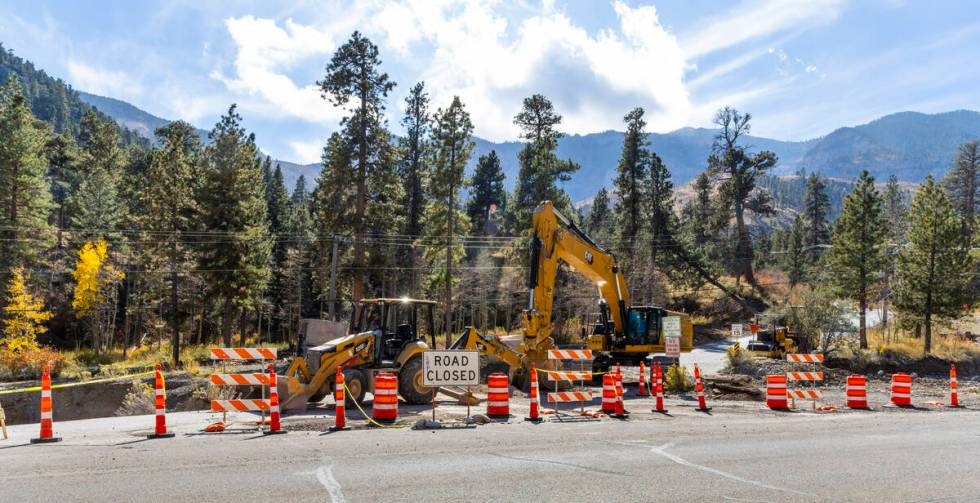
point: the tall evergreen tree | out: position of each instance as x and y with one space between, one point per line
97 207
62 153
25 199
795 262
451 147
234 208
659 211
896 210
933 268
414 170
170 201
631 186
540 170
816 204
333 220
858 256
487 192
736 172
696 214
354 79
299 228
962 184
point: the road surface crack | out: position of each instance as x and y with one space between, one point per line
560 463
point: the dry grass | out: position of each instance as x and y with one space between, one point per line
947 347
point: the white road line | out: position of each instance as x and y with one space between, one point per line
681 461
324 475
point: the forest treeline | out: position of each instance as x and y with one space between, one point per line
109 241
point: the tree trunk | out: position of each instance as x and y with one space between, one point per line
932 269
449 267
863 327
174 320
744 247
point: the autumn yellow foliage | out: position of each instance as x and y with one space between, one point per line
93 276
24 316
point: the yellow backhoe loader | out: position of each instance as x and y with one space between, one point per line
386 336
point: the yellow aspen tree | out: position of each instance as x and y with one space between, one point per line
94 297
24 316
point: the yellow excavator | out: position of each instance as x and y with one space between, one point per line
774 338
625 334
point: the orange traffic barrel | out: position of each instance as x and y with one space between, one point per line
385 408
498 395
902 389
609 397
856 392
776 392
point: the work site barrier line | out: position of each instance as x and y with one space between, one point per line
73 384
577 371
365 414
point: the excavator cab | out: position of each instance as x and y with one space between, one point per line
396 323
643 325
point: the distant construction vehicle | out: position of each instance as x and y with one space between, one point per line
773 339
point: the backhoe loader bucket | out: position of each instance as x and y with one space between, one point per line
296 394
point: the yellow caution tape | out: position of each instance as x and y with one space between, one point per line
73 384
583 371
369 418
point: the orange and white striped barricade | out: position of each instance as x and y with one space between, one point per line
642 388
804 394
609 398
811 376
340 399
385 408
954 400
856 392
160 403
498 395
699 388
570 396
776 398
901 392
241 355
275 426
535 414
657 381
571 376
47 405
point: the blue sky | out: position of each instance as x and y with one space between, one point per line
801 68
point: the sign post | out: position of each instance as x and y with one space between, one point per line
672 337
450 368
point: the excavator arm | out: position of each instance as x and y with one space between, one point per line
557 239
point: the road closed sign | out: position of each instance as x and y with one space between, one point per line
450 368
673 347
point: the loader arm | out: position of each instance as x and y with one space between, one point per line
556 239
488 346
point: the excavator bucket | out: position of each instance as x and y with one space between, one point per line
296 394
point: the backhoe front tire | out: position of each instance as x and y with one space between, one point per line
410 383
357 386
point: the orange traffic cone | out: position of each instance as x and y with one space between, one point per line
642 391
954 400
47 419
340 397
702 406
659 388
535 416
609 393
274 425
620 410
161 406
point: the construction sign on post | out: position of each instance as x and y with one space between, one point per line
736 330
450 368
672 336
673 347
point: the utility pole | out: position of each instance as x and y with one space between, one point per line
300 253
332 296
175 323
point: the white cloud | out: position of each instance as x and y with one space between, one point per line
306 152
751 20
265 51
115 84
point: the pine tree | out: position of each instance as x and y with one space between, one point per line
300 230
233 207
896 211
333 219
795 257
816 204
659 211
354 75
63 156
736 172
696 214
487 194
631 185
932 269
414 170
97 209
25 199
171 211
278 212
858 256
600 216
962 184
540 169
451 147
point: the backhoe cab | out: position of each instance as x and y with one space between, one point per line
387 335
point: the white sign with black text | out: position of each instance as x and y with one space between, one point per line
450 368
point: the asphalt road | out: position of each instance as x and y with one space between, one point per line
877 456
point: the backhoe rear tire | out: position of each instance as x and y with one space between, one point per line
357 386
410 383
